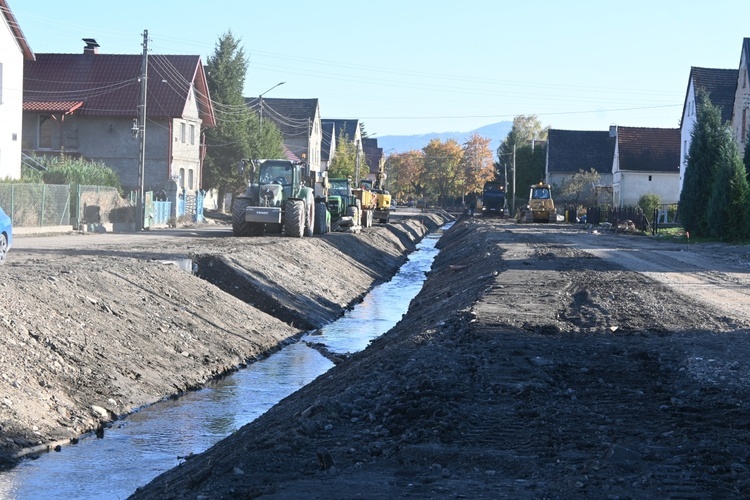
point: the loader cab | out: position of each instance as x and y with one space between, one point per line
540 192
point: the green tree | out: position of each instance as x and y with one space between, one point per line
581 183
344 162
442 171
232 138
519 148
728 205
702 164
530 164
746 158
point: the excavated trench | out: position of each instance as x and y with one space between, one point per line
159 437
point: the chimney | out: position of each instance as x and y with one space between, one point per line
91 46
613 131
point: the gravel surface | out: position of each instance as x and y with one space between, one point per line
539 361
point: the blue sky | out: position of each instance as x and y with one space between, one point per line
413 67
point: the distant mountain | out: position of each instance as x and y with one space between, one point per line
497 132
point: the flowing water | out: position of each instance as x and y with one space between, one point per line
145 444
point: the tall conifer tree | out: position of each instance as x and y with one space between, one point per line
727 207
703 162
230 140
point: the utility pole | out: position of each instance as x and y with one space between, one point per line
140 206
356 172
513 200
260 103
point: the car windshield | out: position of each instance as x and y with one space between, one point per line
540 194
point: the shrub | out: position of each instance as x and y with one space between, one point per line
648 203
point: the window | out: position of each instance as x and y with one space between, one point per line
743 130
47 132
182 133
649 178
190 178
182 178
192 134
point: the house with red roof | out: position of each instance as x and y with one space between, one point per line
86 105
646 161
15 50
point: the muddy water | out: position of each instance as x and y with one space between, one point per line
153 440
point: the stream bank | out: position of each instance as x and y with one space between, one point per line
94 333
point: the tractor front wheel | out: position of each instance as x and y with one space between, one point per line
240 227
294 218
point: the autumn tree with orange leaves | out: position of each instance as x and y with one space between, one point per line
477 164
441 172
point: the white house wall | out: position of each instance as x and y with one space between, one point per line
741 110
185 164
11 103
686 129
632 185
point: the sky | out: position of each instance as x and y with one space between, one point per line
409 67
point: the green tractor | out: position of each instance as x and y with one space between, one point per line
279 200
343 204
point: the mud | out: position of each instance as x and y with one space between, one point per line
94 328
535 363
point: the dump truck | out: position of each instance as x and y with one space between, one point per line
541 207
275 200
493 199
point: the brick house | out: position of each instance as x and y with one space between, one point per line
86 105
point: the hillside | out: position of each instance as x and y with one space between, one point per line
402 143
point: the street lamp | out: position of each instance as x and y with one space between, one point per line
260 102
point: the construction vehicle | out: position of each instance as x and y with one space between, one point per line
541 207
382 208
276 200
493 199
344 206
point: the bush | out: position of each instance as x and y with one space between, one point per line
648 203
68 170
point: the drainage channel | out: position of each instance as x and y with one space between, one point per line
157 438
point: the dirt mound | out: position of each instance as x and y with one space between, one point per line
526 368
95 330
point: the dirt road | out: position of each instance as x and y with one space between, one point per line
537 362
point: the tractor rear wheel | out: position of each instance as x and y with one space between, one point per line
294 218
321 222
309 216
240 227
